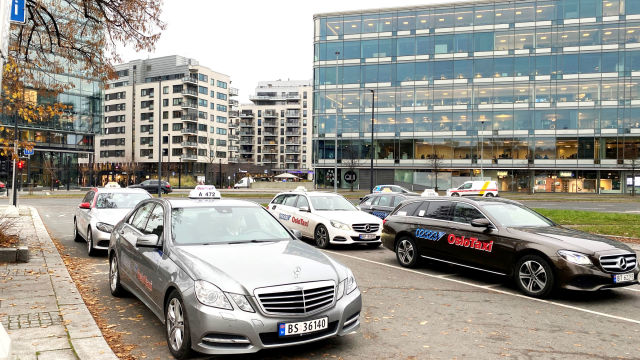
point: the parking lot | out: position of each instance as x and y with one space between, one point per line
435 311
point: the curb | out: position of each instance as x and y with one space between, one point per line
84 335
12 255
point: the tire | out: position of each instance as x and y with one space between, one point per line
407 252
91 251
489 194
374 245
321 236
455 194
114 278
542 282
177 327
76 235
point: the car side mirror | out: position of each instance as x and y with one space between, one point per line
481 222
304 209
149 240
85 205
297 234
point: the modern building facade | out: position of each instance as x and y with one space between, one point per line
540 95
190 103
275 129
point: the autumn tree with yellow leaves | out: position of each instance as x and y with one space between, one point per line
67 37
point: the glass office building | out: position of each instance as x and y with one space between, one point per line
541 95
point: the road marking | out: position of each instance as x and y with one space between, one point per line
489 288
630 289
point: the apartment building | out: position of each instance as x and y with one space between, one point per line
186 102
275 129
539 95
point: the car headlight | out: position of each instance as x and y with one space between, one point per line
340 291
339 225
104 227
242 302
350 282
210 295
575 257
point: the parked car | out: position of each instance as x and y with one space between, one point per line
3 188
381 204
503 237
224 277
391 188
152 186
99 211
245 182
327 218
112 185
475 188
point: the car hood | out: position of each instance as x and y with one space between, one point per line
351 217
570 239
110 216
242 268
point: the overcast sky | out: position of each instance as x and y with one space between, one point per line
250 40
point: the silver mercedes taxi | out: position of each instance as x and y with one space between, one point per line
225 277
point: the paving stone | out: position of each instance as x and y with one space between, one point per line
66 354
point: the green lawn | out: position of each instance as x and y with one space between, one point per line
596 222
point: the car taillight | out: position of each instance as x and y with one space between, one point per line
384 221
168 185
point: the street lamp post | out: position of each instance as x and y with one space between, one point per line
335 146
482 151
373 107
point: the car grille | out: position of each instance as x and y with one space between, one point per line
618 263
297 299
365 228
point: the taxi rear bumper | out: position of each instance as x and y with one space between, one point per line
217 332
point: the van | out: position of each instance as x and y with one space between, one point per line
481 188
245 182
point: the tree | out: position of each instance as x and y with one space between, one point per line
436 164
351 160
50 172
69 36
212 160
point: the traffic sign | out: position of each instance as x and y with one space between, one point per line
18 15
27 152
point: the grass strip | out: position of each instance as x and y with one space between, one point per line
618 224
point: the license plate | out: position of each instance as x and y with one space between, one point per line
620 278
303 327
367 236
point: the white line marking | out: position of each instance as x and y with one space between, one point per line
486 287
630 289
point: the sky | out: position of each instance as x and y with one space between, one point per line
250 40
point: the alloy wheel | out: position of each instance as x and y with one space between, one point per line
533 276
113 274
406 252
322 237
175 324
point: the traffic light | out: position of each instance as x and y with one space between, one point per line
20 165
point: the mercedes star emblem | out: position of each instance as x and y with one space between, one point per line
622 263
296 272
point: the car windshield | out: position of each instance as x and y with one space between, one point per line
119 200
331 203
224 224
512 215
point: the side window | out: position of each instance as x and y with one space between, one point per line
89 197
302 201
464 213
397 200
155 225
385 200
290 200
466 186
139 220
439 210
366 200
278 200
374 200
408 209
421 209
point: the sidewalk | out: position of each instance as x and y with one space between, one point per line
40 306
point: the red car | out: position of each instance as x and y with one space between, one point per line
3 188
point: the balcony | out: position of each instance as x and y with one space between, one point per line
293 123
246 123
270 133
189 157
245 142
234 113
189 105
233 125
189 117
234 159
292 160
190 131
292 150
189 144
292 133
233 137
192 93
246 115
270 114
234 103
246 151
247 133
270 123
292 113
190 80
233 91
233 148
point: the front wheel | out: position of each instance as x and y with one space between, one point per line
534 276
114 278
177 327
489 195
407 252
76 234
455 194
321 237
91 251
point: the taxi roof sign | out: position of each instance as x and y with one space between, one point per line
205 192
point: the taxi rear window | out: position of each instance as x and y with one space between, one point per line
408 209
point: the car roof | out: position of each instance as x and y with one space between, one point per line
309 193
187 203
476 200
120 190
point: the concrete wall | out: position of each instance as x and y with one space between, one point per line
282 186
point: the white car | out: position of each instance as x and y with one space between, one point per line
475 188
327 218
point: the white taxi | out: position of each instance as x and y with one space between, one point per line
205 192
327 218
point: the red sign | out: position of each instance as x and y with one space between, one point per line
471 242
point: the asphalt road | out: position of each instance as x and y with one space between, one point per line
434 311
